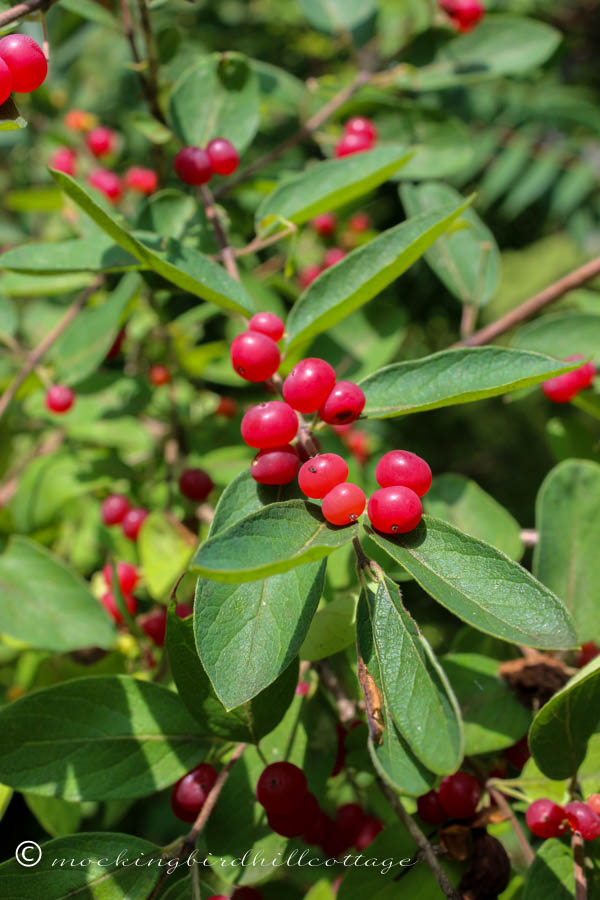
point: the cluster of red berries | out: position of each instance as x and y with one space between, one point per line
325 226
196 166
464 14
116 510
127 577
563 388
190 792
292 811
547 819
457 797
359 134
23 66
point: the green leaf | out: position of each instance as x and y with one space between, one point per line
493 717
97 254
94 866
322 890
560 732
45 198
463 503
332 628
441 143
363 274
244 496
249 721
454 376
418 697
164 551
46 604
551 873
97 739
566 557
94 12
181 265
337 15
481 585
57 817
466 258
327 185
219 97
271 541
561 335
170 213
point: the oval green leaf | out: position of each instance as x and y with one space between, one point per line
97 254
337 15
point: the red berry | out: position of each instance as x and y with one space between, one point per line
318 829
145 181
545 818
59 398
593 801
352 143
340 758
309 384
395 510
324 224
127 576
133 521
349 820
5 81
369 830
459 795
281 788
192 164
464 13
333 256
343 405
107 182
226 407
154 623
269 425
278 465
26 61
79 120
117 344
246 893
224 158
63 160
401 467
267 323
307 276
159 375
299 821
255 356
190 792
335 843
358 444
583 819
363 126
587 653
110 605
518 753
218 897
344 504
196 484
114 509
321 473
101 141
584 375
302 688
430 809
359 222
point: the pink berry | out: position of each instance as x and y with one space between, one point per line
401 467
309 384
333 256
255 356
190 792
26 61
267 323
145 181
63 160
270 424
545 818
59 398
224 158
430 809
459 795
107 182
133 521
362 126
352 143
324 224
321 474
369 830
196 484
308 275
344 504
294 824
302 688
395 510
101 141
114 509
6 81
127 576
343 405
583 819
110 605
281 788
278 465
192 164
359 222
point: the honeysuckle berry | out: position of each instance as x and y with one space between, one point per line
117 344
296 823
277 465
459 795
362 126
401 467
343 405
142 180
255 356
369 830
322 473
110 605
333 256
359 222
587 653
518 754
583 820
465 14
218 897
358 444
5 82
196 484
192 164
352 143
26 61
308 275
108 183
133 521
270 424
59 398
79 120
127 576
395 510
267 323
593 801
114 509
430 809
224 158
349 820
154 623
101 141
226 407
159 375
64 160
309 384
281 788
190 792
344 504
302 688
246 893
563 388
546 819
318 829
585 374
324 224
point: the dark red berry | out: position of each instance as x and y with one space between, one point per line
190 792
333 256
192 164
281 788
107 182
582 818
196 484
352 143
307 276
324 224
246 893
394 510
133 521
5 81
344 504
278 465
430 809
26 61
270 424
546 819
401 467
518 753
255 356
335 843
369 830
59 398
320 474
101 141
218 897
343 405
127 576
299 821
349 820
362 126
224 158
159 375
459 795
318 829
110 605
267 323
587 653
114 509
340 758
63 159
309 384
144 181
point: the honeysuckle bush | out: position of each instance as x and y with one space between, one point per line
252 631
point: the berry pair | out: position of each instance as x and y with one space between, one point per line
23 66
127 577
196 166
359 134
404 478
190 792
547 819
283 793
324 477
563 388
254 353
457 797
311 387
116 510
465 14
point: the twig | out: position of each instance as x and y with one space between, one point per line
36 356
212 215
261 243
506 808
346 706
24 9
532 306
579 866
153 65
420 839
